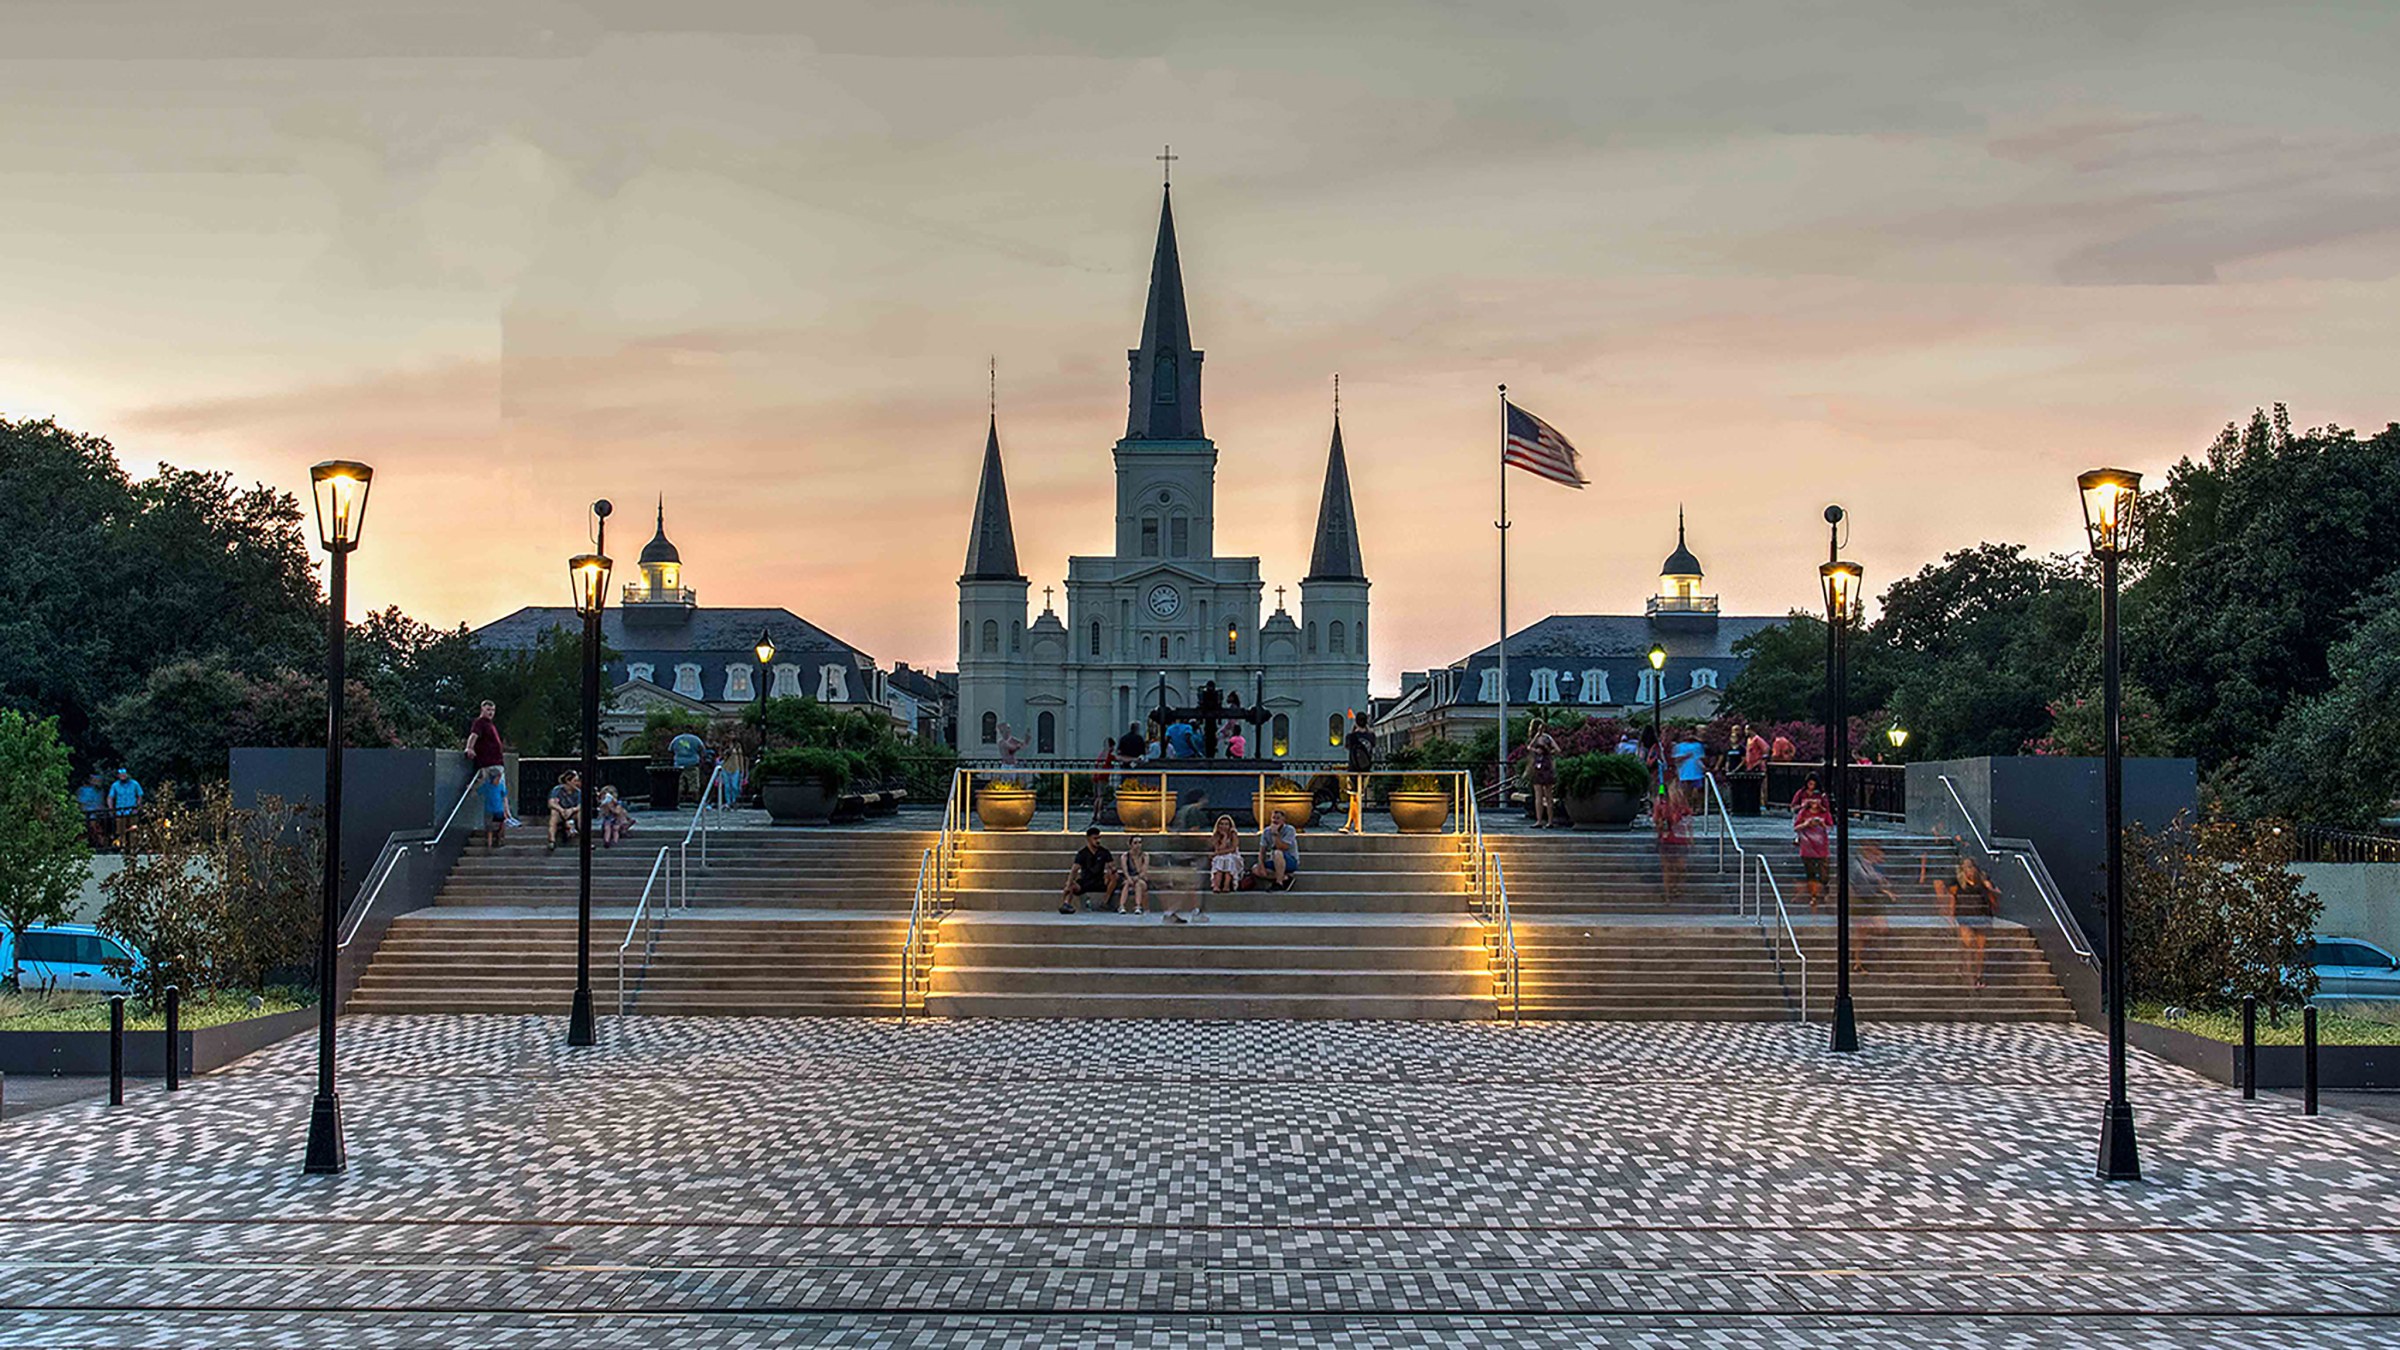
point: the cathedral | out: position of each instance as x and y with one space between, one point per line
1163 614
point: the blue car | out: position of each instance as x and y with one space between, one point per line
67 957
2353 968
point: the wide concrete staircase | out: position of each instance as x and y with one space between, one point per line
782 923
1601 934
1378 927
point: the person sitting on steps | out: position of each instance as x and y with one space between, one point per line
566 809
1133 886
1278 854
1224 857
1094 872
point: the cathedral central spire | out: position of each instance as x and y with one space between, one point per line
992 538
1165 369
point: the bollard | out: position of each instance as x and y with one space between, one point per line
2308 1060
116 1050
174 1039
2249 1048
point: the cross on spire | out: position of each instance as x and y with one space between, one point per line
1337 395
994 378
1279 598
1166 158
1046 599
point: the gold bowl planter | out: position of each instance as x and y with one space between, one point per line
1298 805
1417 811
1004 806
1142 807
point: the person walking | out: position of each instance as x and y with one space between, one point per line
93 798
1237 744
1359 746
1541 765
1691 767
1104 779
487 755
1782 751
1132 747
1754 753
1812 830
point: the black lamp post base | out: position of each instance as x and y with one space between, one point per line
326 1156
579 1019
2120 1160
1845 1024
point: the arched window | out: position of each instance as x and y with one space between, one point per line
1149 536
642 670
1704 678
1488 686
1016 635
1333 730
991 637
1362 637
1095 637
1162 646
963 648
1312 637
1282 727
1545 686
1179 535
1337 639
1045 733
991 728
1233 638
1595 687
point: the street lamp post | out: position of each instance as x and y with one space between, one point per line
2109 498
1658 727
340 488
764 650
1841 580
589 573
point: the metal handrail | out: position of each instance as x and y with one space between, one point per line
1775 888
1724 815
2036 871
916 916
699 825
1508 946
640 910
386 863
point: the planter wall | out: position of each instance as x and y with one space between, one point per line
1420 812
1142 812
1004 808
801 802
210 1048
1607 807
2338 1066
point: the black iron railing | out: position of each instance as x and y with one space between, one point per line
2323 844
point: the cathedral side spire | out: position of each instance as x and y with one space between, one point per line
1336 556
1165 369
992 539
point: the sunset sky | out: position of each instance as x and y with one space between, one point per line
1928 260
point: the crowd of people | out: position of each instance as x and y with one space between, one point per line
110 807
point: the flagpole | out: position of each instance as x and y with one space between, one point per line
1502 801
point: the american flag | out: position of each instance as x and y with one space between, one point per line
1534 445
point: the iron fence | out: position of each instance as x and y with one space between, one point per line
2323 844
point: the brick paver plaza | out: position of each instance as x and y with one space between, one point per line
776 1183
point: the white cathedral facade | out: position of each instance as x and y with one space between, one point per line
1163 611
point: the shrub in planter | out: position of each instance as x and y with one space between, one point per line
1602 789
801 784
1420 804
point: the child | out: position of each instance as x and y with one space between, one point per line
1133 892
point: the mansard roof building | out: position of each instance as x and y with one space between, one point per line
1588 663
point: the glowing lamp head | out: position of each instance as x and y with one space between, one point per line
1844 584
2109 496
589 574
340 487
1898 736
1658 657
765 648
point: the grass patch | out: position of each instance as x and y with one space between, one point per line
2338 1023
53 1011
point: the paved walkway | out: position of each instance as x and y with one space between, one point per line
770 1183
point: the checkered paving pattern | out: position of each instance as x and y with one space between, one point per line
855 1182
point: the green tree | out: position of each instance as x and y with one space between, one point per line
2328 761
183 720
1982 644
43 856
2214 914
2251 567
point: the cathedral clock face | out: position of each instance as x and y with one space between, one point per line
1165 600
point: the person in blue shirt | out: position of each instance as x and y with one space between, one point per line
94 801
124 799
1182 741
1690 761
